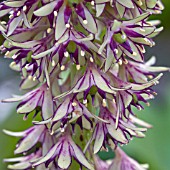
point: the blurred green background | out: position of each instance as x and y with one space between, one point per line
154 149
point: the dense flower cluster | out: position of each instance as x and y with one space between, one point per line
82 65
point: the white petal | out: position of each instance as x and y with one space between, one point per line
46 9
60 24
64 158
62 110
91 23
13 25
99 138
20 166
47 105
117 134
30 140
126 3
51 152
80 156
17 134
99 9
30 105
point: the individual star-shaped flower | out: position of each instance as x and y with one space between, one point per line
139 92
106 133
62 152
92 77
124 162
72 108
30 138
39 97
100 164
141 72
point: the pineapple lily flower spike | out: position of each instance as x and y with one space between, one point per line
82 64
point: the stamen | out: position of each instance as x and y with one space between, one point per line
120 62
55 13
139 108
27 65
34 79
150 76
18 13
62 130
53 63
78 67
123 36
85 22
91 59
82 53
62 67
6 54
30 77
104 103
49 30
67 25
52 132
3 22
66 54
116 51
14 56
134 54
125 61
74 104
92 2
155 93
24 8
85 101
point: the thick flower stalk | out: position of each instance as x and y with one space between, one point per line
83 69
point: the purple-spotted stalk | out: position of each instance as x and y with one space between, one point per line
83 71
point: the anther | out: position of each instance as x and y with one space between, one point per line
91 59
67 25
55 13
78 67
85 22
24 8
62 67
82 53
74 104
66 54
49 30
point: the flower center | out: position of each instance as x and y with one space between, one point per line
120 37
71 48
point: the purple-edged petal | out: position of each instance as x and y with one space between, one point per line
30 140
64 158
99 138
78 154
51 152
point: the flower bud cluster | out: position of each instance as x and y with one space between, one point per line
82 65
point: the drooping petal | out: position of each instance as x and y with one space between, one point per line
64 158
30 140
80 156
99 138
